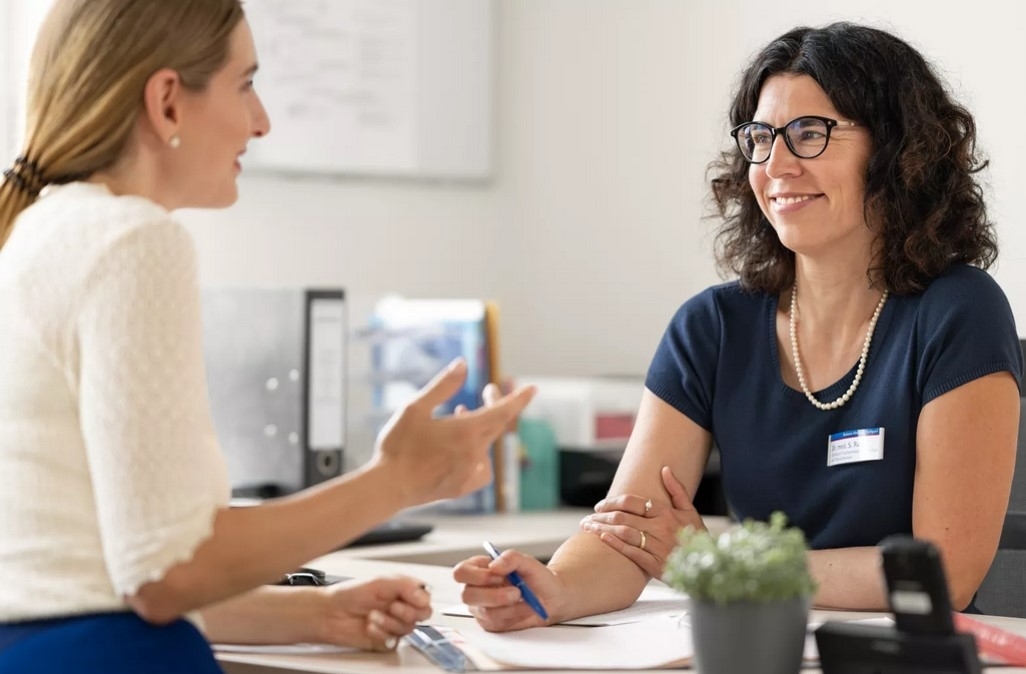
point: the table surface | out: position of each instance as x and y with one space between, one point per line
431 560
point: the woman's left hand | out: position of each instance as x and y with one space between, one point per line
373 614
644 530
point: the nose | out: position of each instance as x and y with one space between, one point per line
261 122
781 161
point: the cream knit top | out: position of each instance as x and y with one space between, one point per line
110 472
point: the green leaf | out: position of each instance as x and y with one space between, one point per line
755 561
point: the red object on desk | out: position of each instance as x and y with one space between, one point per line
994 641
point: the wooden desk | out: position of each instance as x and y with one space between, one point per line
455 539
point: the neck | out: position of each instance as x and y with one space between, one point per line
139 172
834 302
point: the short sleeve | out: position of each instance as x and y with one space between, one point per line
157 473
683 370
965 330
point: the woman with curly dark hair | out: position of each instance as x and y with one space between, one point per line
862 323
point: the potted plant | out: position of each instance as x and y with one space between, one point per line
750 592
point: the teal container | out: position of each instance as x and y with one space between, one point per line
539 469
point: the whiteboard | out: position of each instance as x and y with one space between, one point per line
375 87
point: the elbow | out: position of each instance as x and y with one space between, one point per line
962 594
157 604
960 600
962 586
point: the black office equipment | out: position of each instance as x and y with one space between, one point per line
917 588
923 638
393 531
853 648
306 576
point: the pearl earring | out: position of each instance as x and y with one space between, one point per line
175 142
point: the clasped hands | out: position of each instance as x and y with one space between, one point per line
642 530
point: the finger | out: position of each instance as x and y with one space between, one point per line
628 503
513 560
617 517
380 640
629 535
444 385
679 496
475 571
491 597
507 619
415 593
460 409
407 613
494 419
491 394
389 625
645 561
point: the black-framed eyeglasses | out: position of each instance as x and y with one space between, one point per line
805 137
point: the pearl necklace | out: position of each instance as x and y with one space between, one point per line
862 360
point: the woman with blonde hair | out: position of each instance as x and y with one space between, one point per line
116 541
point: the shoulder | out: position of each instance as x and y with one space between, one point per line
726 299
963 289
81 224
91 204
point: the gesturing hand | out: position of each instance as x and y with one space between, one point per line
437 458
373 614
645 530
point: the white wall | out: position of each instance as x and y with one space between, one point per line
591 234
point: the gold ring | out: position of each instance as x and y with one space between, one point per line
648 506
644 539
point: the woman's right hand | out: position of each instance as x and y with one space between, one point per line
436 458
497 604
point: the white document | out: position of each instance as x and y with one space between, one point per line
656 601
657 642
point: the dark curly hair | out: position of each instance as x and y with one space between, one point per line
922 197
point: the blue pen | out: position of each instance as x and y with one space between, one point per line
519 583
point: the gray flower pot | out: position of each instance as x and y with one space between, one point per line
744 637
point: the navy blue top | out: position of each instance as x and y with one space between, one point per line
718 364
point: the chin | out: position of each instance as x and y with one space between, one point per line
222 198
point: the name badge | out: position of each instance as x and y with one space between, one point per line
865 444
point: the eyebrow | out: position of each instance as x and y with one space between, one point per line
251 70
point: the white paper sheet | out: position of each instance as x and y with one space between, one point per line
657 642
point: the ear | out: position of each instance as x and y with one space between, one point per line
162 103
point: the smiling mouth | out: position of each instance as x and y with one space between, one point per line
787 201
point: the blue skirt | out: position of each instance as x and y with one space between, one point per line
113 643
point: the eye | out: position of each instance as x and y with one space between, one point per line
760 138
811 134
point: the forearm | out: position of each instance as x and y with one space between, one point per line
848 578
256 545
595 578
267 615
